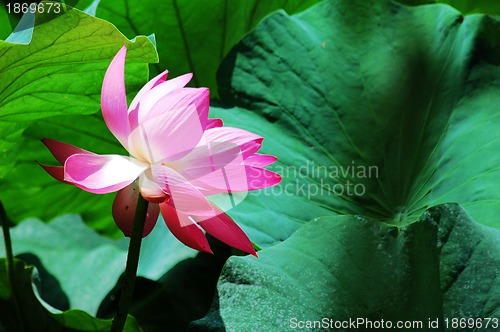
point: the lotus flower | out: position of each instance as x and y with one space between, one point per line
178 157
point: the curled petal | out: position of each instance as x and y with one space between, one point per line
124 207
184 228
149 99
247 142
61 151
260 160
213 123
168 136
114 100
146 88
223 228
177 99
102 174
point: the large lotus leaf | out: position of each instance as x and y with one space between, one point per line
402 106
29 314
348 267
60 72
192 36
465 6
78 268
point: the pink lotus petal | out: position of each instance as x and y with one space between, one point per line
223 228
150 190
219 167
148 100
216 169
184 229
184 197
218 147
248 142
213 123
168 136
102 174
259 178
207 158
57 172
61 151
252 178
133 118
146 89
260 160
124 207
114 100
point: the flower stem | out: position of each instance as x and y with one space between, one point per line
10 263
131 269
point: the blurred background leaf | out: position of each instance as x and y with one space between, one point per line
5 27
34 316
78 267
180 296
192 36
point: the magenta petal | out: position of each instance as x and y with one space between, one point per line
114 99
124 207
209 158
168 137
222 177
57 172
213 123
149 99
101 174
247 142
220 168
61 151
184 197
146 88
217 148
222 227
190 234
259 178
235 178
260 160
